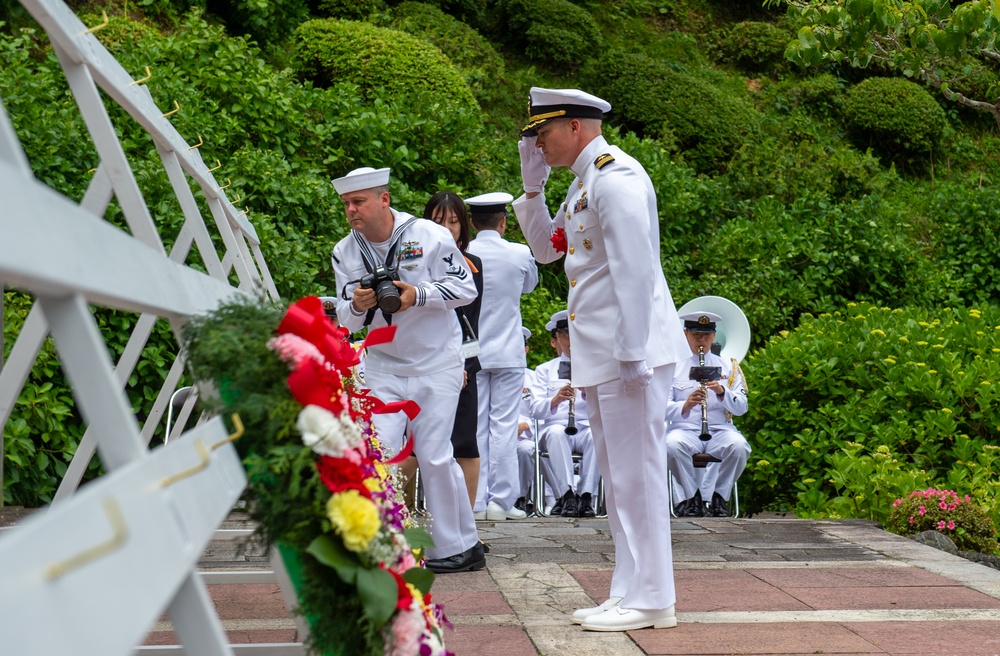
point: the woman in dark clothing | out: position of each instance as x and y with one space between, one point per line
448 210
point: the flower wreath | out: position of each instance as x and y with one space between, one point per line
317 484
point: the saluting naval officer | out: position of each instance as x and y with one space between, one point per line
625 332
424 362
509 271
726 397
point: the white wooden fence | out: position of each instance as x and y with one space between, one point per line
93 573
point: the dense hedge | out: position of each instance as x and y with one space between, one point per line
898 117
556 34
859 407
755 47
708 121
379 60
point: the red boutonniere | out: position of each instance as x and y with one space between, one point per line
558 240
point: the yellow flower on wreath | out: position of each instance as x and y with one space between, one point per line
355 519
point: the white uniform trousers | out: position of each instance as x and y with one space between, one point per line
727 444
452 526
525 466
628 439
558 467
499 408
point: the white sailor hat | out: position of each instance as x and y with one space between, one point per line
490 203
548 104
526 333
700 322
364 178
559 321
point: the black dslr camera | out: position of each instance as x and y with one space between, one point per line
386 293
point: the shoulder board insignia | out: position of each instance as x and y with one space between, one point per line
603 160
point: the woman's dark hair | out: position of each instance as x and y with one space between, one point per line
443 201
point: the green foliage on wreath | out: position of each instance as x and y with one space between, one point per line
946 512
856 408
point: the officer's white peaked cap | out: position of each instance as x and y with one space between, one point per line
364 178
549 104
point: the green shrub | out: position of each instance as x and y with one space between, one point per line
821 96
946 512
380 61
555 34
795 157
856 408
471 12
267 22
473 54
813 256
755 47
357 10
899 118
964 219
707 120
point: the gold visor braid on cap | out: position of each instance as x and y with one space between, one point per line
542 117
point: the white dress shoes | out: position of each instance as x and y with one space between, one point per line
630 619
583 613
495 512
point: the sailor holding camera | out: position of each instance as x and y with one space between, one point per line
723 394
396 269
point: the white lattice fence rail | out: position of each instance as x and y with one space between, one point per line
93 573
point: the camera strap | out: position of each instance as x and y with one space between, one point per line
368 256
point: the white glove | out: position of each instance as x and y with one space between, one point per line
534 170
635 374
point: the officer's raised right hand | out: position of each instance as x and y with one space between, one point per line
534 170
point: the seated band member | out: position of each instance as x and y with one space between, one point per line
726 397
564 428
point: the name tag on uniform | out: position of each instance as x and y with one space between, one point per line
470 348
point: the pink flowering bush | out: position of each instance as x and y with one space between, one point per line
945 511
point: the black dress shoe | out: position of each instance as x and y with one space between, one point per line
718 507
557 508
692 507
470 560
586 508
569 505
521 504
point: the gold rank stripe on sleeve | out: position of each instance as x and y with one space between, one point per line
603 160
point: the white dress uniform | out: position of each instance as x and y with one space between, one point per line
620 309
558 467
509 271
727 443
526 440
423 363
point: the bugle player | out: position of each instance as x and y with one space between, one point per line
720 399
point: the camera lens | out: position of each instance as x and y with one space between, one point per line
388 297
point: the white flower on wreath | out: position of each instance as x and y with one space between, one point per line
326 433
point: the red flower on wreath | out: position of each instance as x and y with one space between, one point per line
558 240
339 474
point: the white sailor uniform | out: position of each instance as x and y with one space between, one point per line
509 271
620 309
727 443
558 466
423 363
